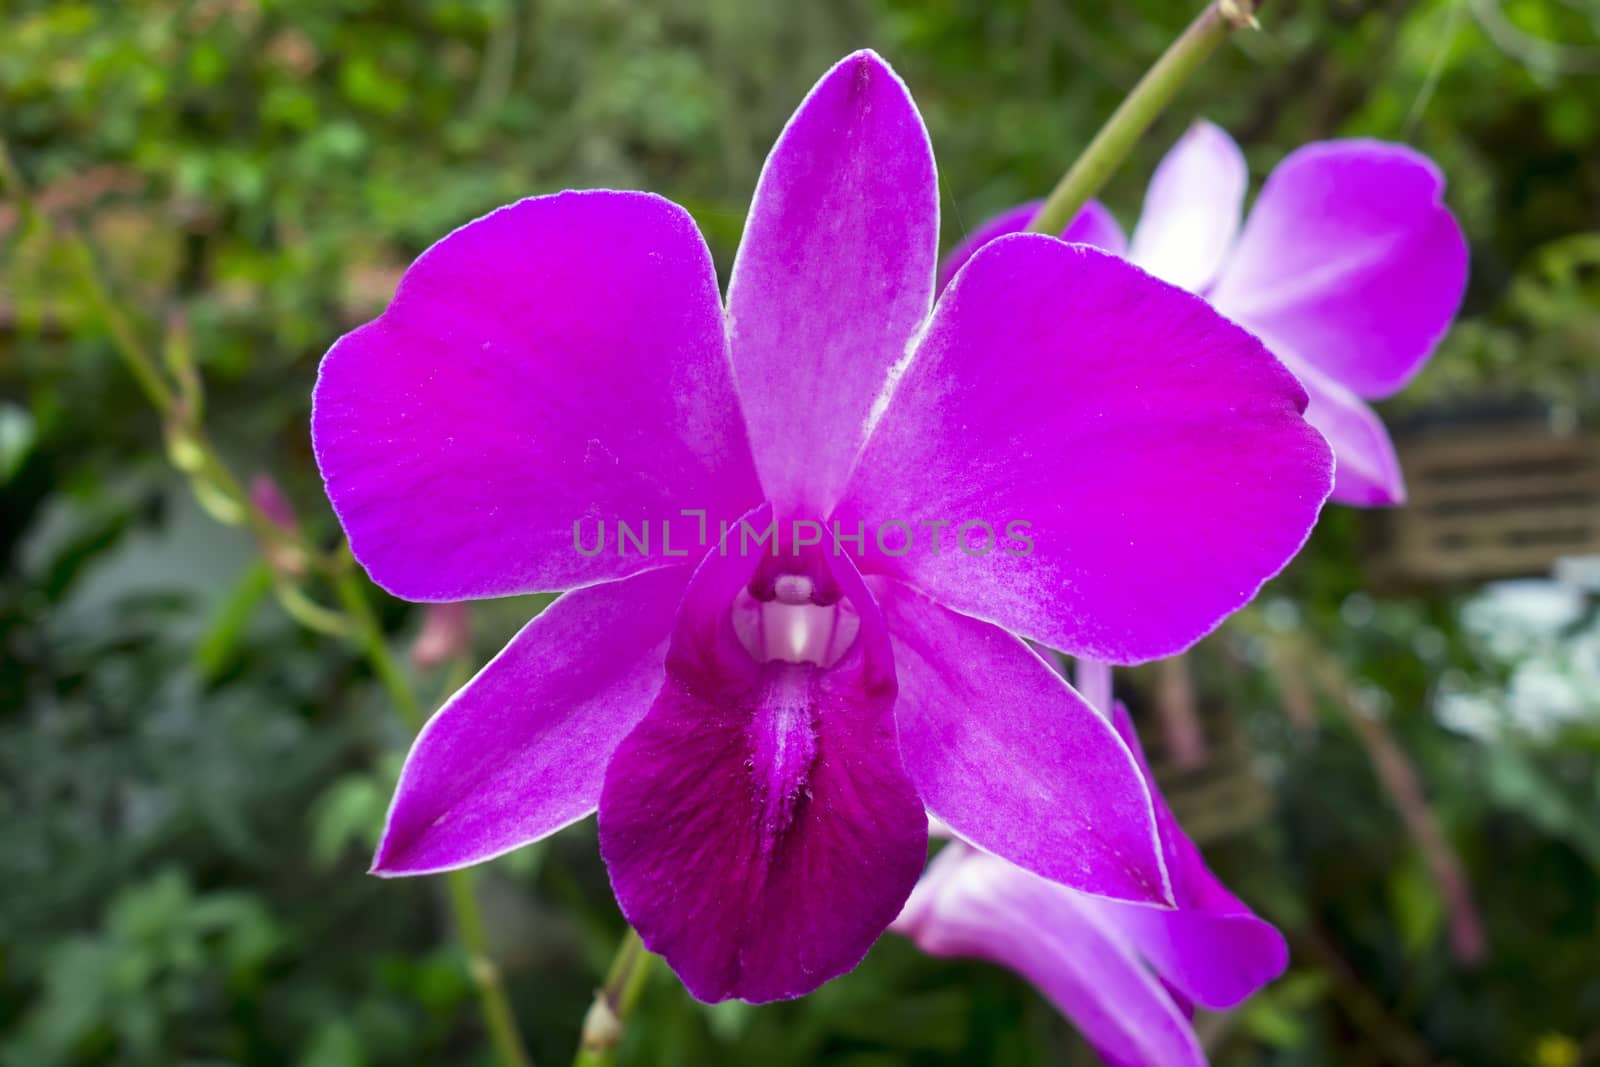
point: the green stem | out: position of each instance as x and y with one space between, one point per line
1138 110
614 1003
134 354
369 633
493 1003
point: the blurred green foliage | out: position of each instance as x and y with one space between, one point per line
189 785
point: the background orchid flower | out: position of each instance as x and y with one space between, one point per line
763 734
1350 268
1128 975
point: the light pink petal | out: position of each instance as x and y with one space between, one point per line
1191 209
1351 261
973 904
833 277
1010 758
758 828
521 750
561 360
1155 452
1367 470
1212 948
1094 226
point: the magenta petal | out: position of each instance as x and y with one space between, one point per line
1191 209
973 904
1094 226
1212 948
1139 463
1010 758
521 750
833 277
1215 957
557 361
757 825
1351 261
1368 471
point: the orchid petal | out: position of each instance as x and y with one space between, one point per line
833 277
1351 261
757 825
1215 957
1368 470
973 904
1012 759
1094 226
557 361
1212 949
521 750
1191 209
1141 471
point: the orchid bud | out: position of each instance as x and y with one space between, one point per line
446 634
283 555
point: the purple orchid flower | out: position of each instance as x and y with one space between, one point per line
1127 974
764 734
1350 268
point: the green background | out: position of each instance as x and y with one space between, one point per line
190 784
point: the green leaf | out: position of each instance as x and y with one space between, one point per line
1276 1015
224 637
1414 901
350 812
18 433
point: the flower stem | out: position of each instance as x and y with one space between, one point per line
613 1003
369 632
494 1005
217 487
1138 110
